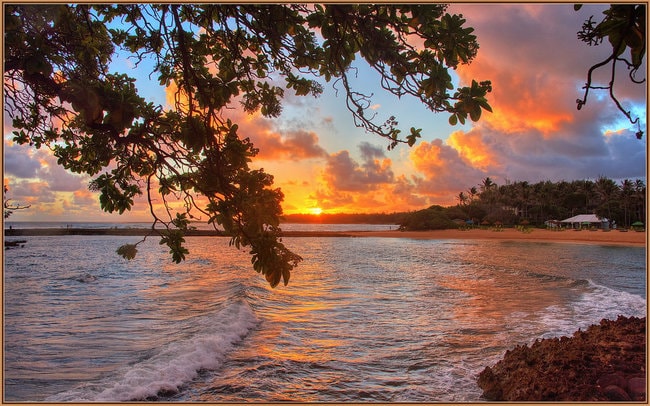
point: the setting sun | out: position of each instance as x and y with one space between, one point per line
315 210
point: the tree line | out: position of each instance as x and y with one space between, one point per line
533 204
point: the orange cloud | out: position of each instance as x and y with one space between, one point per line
365 186
332 201
294 145
345 174
535 79
611 133
401 195
405 195
272 144
276 143
473 148
444 171
31 192
83 197
522 100
537 67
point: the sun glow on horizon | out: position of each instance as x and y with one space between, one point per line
315 211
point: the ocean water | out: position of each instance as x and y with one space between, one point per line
362 320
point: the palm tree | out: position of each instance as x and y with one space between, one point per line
508 197
472 193
639 199
586 187
487 194
607 191
539 199
471 198
563 194
625 202
487 185
462 199
627 193
523 197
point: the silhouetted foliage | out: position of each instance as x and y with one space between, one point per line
624 27
9 207
428 219
61 94
516 202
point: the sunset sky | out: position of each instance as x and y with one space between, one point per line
322 162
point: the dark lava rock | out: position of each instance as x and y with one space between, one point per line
612 379
637 388
604 363
614 392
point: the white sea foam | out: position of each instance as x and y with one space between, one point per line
174 365
610 303
600 302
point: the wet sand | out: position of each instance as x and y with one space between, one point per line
613 237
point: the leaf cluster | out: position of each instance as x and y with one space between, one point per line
624 27
61 94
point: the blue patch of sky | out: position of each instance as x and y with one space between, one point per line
343 134
146 82
141 69
339 133
622 122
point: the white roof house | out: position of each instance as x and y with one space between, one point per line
584 218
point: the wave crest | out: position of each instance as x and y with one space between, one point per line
176 364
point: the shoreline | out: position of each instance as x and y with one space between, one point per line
599 237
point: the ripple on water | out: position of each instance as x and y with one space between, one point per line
363 319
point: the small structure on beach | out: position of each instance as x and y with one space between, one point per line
587 221
552 224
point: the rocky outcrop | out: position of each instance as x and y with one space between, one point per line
604 363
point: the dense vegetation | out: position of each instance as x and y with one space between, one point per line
524 203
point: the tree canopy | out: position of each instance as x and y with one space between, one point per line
61 94
624 28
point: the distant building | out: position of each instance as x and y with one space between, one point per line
586 220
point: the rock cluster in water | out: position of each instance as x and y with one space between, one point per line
604 363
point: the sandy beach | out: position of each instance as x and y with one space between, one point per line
629 238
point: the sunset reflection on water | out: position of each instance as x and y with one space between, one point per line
362 320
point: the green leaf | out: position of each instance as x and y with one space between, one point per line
484 104
475 113
127 251
412 138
